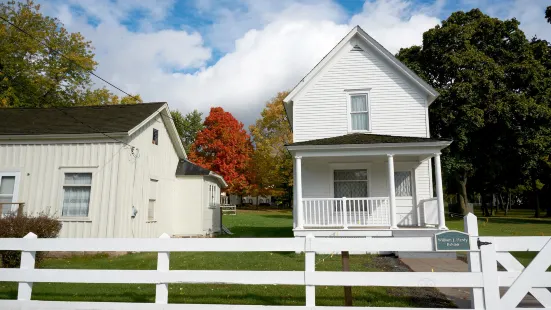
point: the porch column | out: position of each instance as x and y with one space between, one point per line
391 192
298 182
439 192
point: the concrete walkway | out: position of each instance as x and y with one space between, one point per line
460 296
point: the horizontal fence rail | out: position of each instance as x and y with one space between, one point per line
346 212
488 278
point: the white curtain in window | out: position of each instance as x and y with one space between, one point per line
360 115
358 103
360 121
76 201
402 183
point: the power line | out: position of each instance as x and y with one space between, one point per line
52 50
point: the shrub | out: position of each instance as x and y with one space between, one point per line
18 226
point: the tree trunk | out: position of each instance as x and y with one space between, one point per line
463 200
537 204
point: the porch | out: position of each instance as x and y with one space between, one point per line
368 189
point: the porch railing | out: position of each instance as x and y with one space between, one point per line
345 212
11 208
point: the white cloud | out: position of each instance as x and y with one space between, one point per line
269 46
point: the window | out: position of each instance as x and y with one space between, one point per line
155 136
8 184
152 199
350 183
402 183
77 188
359 112
213 193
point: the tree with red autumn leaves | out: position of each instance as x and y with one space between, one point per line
223 146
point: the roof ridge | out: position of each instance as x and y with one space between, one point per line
84 106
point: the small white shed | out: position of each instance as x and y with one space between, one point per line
199 198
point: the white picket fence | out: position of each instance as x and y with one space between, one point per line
484 277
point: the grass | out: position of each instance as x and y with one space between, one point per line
245 224
516 223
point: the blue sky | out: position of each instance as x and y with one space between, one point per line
196 54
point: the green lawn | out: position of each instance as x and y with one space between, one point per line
245 224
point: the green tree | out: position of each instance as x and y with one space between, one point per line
271 162
32 74
131 99
188 126
548 14
492 100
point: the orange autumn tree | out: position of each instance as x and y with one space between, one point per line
223 146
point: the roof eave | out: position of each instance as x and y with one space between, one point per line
219 178
69 136
441 144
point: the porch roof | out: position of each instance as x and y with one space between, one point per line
364 138
361 144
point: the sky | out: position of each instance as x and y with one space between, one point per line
198 54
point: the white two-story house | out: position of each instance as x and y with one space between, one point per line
362 148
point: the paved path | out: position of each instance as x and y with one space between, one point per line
460 296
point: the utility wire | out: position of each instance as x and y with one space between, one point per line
53 50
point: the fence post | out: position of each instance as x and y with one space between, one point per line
344 214
163 261
489 275
25 289
309 266
470 224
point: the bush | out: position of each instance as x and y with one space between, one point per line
18 226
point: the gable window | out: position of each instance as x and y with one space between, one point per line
359 112
152 199
155 136
402 184
8 192
77 188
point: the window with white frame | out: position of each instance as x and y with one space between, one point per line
359 112
8 191
402 183
77 188
350 183
152 199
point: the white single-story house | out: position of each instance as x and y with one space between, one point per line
113 171
362 147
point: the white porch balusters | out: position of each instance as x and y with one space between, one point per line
439 192
391 192
298 181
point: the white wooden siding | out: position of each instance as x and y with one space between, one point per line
42 180
187 211
317 183
120 181
397 107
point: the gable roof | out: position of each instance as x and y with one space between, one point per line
85 122
363 138
186 168
75 120
379 50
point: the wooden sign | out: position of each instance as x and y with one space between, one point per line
451 241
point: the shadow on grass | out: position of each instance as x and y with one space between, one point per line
278 216
504 220
260 232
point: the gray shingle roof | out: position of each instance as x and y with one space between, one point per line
74 120
185 167
362 138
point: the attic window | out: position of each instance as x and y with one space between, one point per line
155 137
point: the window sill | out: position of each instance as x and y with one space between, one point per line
152 221
75 219
359 131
